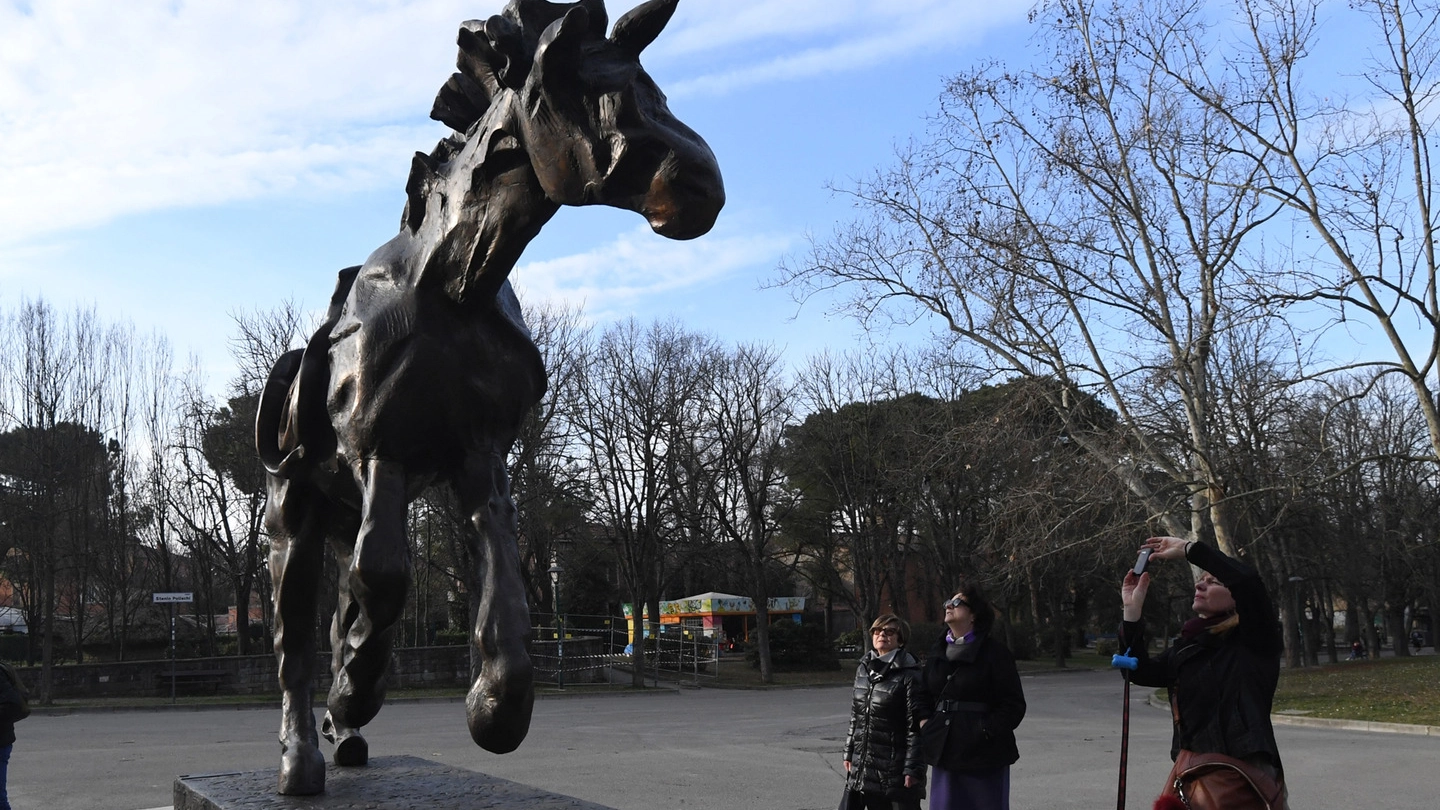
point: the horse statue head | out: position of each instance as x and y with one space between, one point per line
595 126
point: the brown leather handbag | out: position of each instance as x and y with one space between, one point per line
1221 782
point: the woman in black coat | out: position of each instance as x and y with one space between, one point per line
882 751
11 703
1222 672
970 739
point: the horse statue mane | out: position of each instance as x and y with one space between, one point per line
424 370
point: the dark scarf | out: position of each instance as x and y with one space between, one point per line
879 666
1198 625
963 648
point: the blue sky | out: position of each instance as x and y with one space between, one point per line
172 163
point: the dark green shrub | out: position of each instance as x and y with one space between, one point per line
1021 640
12 646
923 636
452 638
797 648
850 640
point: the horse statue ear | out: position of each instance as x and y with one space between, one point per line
558 54
503 39
639 26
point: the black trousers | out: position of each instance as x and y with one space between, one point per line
878 801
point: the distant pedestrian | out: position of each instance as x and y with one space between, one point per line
1357 650
882 750
13 707
970 739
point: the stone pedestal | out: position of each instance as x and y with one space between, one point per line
387 783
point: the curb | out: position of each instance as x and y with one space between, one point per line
96 708
1337 725
1355 725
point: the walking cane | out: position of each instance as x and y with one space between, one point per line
1126 664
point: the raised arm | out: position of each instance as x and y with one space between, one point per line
1259 630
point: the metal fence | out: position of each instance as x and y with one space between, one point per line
580 649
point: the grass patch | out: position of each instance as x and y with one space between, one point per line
1387 690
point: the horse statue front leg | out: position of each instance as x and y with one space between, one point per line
502 694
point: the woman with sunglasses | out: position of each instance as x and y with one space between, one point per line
882 751
1221 675
970 738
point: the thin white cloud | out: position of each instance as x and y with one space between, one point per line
609 281
115 108
109 109
801 38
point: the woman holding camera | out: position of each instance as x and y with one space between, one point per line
970 739
1221 675
882 751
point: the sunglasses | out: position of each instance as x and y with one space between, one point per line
957 602
884 631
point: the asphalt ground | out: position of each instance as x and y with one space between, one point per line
699 749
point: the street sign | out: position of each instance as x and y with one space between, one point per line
173 597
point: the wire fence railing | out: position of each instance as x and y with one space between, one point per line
579 649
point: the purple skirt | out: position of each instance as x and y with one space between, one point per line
986 790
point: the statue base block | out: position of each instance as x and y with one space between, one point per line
387 783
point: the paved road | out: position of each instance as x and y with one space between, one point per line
699 750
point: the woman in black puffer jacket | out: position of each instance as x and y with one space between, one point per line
882 750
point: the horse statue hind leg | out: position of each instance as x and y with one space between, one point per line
300 519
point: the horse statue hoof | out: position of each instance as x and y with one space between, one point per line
351 750
499 721
302 770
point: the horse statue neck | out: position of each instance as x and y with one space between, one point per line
473 206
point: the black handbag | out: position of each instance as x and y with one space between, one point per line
852 800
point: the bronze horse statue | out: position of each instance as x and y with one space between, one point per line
424 368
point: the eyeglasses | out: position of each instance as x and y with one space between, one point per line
884 631
957 602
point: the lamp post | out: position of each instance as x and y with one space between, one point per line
1301 641
555 571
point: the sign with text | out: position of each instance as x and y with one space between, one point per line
174 597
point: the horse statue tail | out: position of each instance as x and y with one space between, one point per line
272 413
292 425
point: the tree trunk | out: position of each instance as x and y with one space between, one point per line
1059 633
1371 635
1395 626
760 594
1035 633
637 654
1293 658
1327 626
242 618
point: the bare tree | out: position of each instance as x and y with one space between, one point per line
1347 159
49 378
1082 220
220 502
637 400
748 405
847 461
548 484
